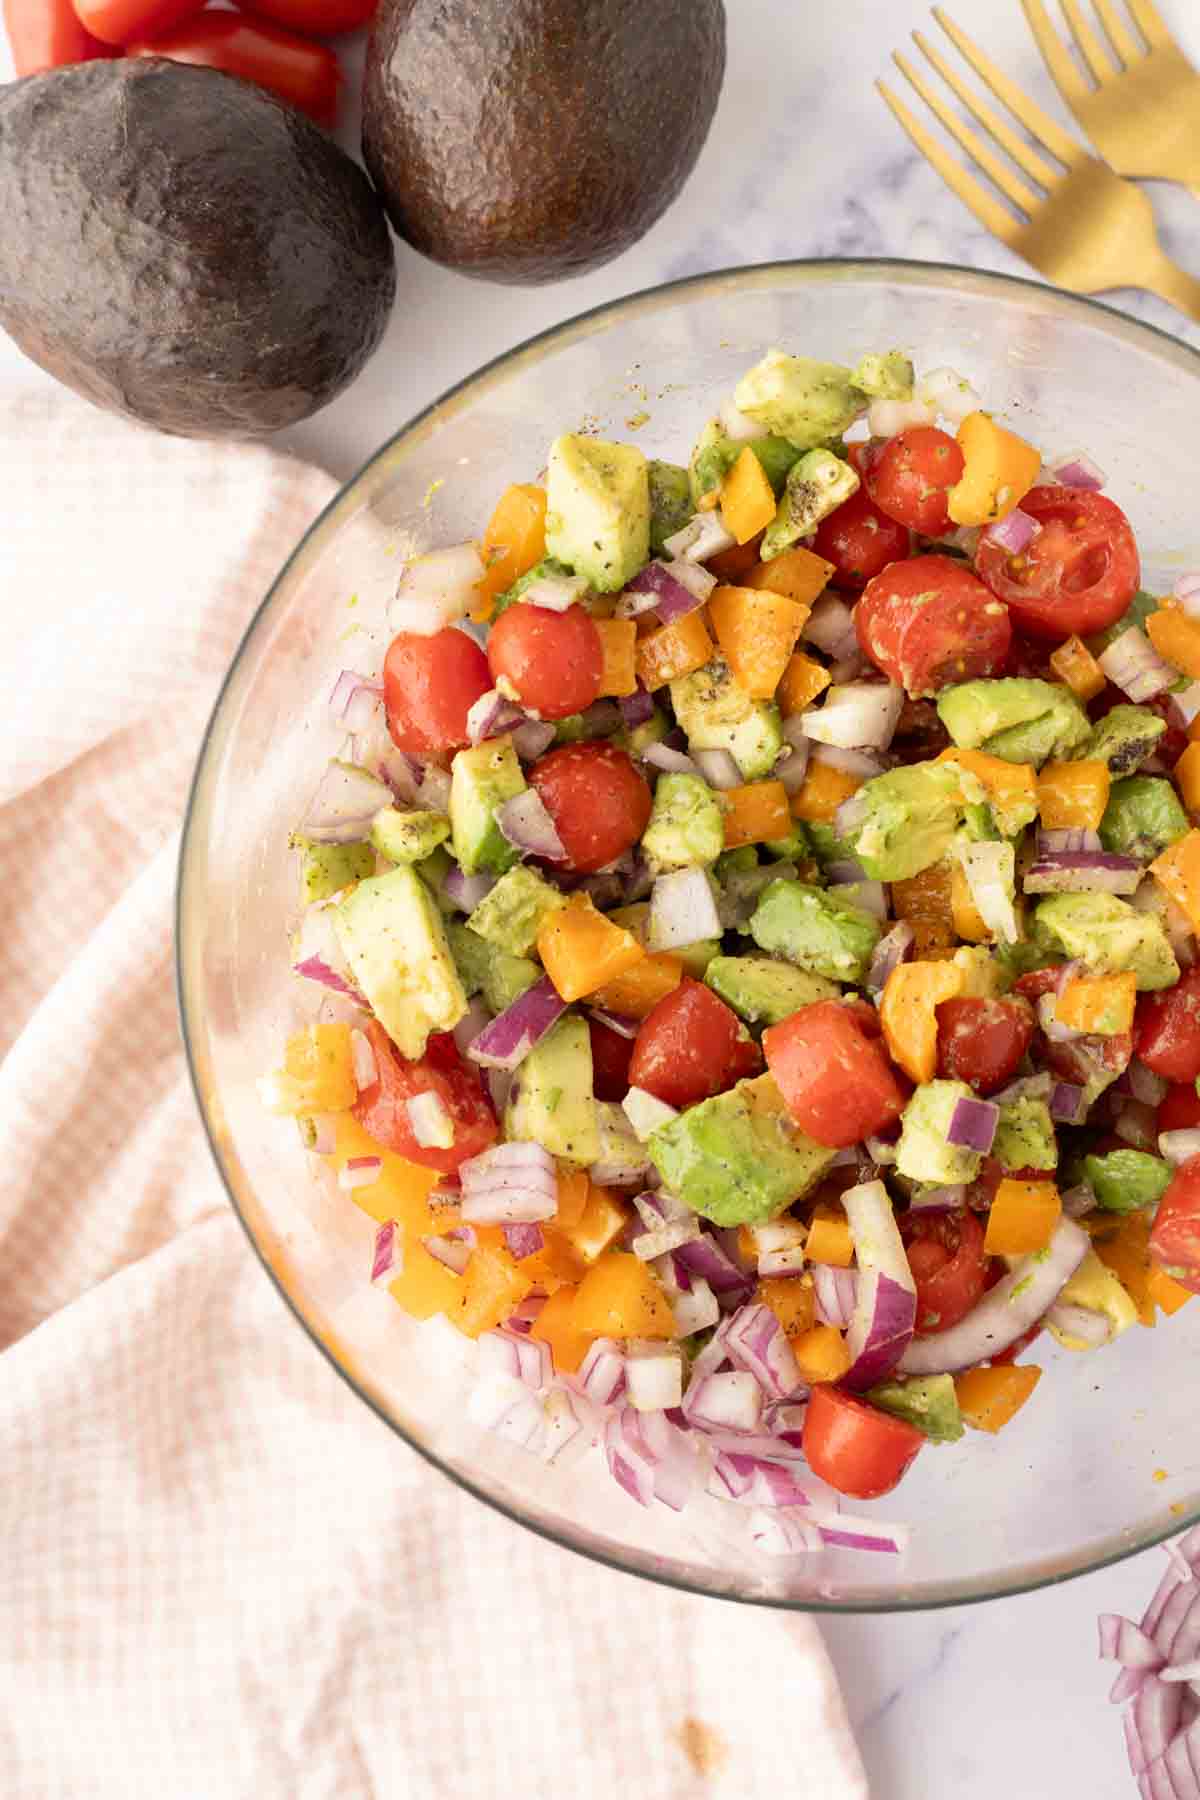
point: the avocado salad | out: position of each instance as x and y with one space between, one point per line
750 925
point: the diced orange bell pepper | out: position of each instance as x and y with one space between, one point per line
1187 777
317 1074
1165 1291
1176 637
908 1014
829 1237
618 640
514 540
999 470
757 631
797 574
792 1301
747 498
581 949
403 1188
1074 664
926 902
674 650
823 791
821 1354
424 1286
621 1297
638 991
554 1265
573 1190
967 920
603 1220
555 1326
1022 1218
492 1287
989 1398
1125 1249
803 680
1177 872
1098 1004
1006 784
1073 795
735 563
755 814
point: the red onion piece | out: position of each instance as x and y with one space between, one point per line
1078 471
315 968
704 535
849 816
830 626
756 1342
470 1025
523 1240
532 739
554 593
1179 1146
671 762
512 1184
1085 872
354 702
973 1125
653 1376
1053 843
705 1259
672 600
835 1290
467 891
435 589
528 827
939 1199
491 715
359 1171
783 1534
1068 1103
718 769
859 715
346 801
726 1402
1015 533
507 1041
1006 1311
602 1373
885 1307
895 947
1132 664
387 1260
621 1023
1145 1085
842 1531
637 708
452 1252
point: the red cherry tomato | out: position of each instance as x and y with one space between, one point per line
314 18
1077 575
1175 1239
553 660
126 21
854 1447
945 1254
430 685
1038 982
382 1111
860 541
928 622
982 1041
688 1046
599 803
1179 1110
1080 1059
611 1054
909 477
838 1084
1166 1029
47 34
305 74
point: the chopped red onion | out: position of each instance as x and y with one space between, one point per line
663 1239
682 910
602 1373
705 1259
830 626
467 891
1078 471
793 732
554 593
895 947
601 718
359 1171
653 1376
792 768
756 1342
1068 1103
346 801
491 715
1055 843
637 708
835 1291
737 425
841 1531
354 702
1088 872
673 596
499 1403
845 869
470 1025
1178 1146
315 968
430 1121
1006 1311
1026 1087
1144 1084
1132 664
387 1260
529 828
885 1307
436 589
1124 1642
704 535
621 1023
718 769
514 1183
696 1308
1134 1122
629 1466
532 739
727 1402
453 1252
783 1534
671 762
862 715
868 896
973 1125
850 762
848 819
780 1247
1013 534
646 1113
507 1041
523 1240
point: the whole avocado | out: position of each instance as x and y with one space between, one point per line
181 247
526 140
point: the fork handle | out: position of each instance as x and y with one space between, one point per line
1176 287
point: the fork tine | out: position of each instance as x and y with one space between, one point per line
976 149
1055 55
1150 23
1090 47
1120 36
1022 153
1039 124
988 210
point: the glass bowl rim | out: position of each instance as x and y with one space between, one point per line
903 272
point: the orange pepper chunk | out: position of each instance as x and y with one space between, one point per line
829 1237
555 1326
515 539
581 949
491 1289
1022 1218
802 681
1126 1251
638 991
747 498
757 631
603 1220
823 791
1077 668
1098 1004
1073 794
424 1286
821 1354
674 650
618 640
926 902
402 1189
756 813
1187 776
1004 783
573 1190
1176 637
797 574
989 1398
735 563
1165 1291
999 470
1177 872
620 1297
908 1014
317 1073
792 1301
554 1265
968 922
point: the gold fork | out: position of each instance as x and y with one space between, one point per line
1079 225
1143 115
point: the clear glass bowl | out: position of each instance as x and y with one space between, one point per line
1106 1458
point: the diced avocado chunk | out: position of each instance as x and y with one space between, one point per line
481 781
499 976
814 930
392 936
1143 817
325 869
884 377
927 1401
551 1102
716 452
696 957
1124 738
792 848
817 484
433 871
1094 1287
737 1159
805 401
639 738
1016 718
539 571
717 714
906 819
686 825
1025 1135
513 913
1109 935
1126 1180
923 1153
825 843
670 501
763 991
408 837
598 509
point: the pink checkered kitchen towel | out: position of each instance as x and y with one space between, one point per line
220 1576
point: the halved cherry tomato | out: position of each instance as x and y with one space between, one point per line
305 74
599 803
945 1254
1179 1110
911 475
689 1046
1081 1058
927 622
1038 982
1166 1029
47 34
381 1109
430 685
314 18
554 661
860 541
854 1447
837 1082
126 21
1077 575
1175 1239
611 1054
982 1041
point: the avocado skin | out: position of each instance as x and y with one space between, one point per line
183 248
526 140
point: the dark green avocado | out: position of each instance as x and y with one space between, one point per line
180 246
525 140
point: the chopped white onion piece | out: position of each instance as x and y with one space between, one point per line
830 626
949 393
436 589
1187 700
653 1375
886 417
851 762
646 1112
431 1123
780 1247
682 910
1132 664
704 535
695 1308
1178 1146
555 593
859 716
718 768
736 424
990 869
1187 592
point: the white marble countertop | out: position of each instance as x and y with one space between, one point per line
804 160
